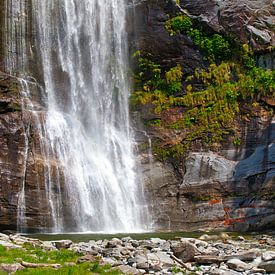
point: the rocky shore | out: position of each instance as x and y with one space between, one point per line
208 254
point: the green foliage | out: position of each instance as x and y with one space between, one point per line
153 85
82 269
208 114
216 46
237 141
154 122
178 24
36 255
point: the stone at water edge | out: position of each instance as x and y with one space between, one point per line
114 243
4 237
48 245
206 237
240 238
62 244
20 240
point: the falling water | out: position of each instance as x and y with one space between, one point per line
90 177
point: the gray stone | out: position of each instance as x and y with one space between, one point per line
11 268
245 256
142 265
4 237
10 245
157 241
185 251
111 262
147 244
268 266
20 240
238 265
62 244
128 270
268 256
86 258
127 239
241 238
114 243
206 237
48 245
112 253
207 167
165 246
260 34
255 271
163 259
219 271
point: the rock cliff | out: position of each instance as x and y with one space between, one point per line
220 187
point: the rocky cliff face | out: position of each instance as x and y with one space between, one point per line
222 187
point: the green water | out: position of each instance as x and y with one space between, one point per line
136 236
140 236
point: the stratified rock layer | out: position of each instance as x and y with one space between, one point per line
225 186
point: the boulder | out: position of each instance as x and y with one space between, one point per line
125 269
238 265
245 256
86 258
10 245
4 237
268 266
185 251
114 243
62 244
160 258
10 268
268 256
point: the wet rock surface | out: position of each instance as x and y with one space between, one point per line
220 254
224 186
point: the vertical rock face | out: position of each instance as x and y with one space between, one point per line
225 187
20 164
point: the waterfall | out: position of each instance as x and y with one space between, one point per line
83 49
90 178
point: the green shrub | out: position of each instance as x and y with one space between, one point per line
216 46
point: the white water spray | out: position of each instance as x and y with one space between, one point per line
83 48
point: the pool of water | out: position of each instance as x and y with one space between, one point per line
85 237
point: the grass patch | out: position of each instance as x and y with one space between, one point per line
35 255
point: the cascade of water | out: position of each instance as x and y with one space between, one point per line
87 142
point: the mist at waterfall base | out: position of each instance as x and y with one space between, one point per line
90 176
